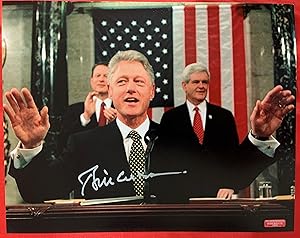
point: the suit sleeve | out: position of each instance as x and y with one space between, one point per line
247 162
46 177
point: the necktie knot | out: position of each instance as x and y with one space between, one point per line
134 135
196 109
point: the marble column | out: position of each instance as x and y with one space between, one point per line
284 44
49 78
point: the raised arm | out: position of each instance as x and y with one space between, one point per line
268 114
30 126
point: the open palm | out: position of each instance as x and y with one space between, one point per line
30 126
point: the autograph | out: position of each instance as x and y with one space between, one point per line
90 176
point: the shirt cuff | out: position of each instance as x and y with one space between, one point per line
267 147
83 121
22 157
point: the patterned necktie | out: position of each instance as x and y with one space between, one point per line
137 162
198 127
102 119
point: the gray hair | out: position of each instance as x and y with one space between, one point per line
131 56
194 68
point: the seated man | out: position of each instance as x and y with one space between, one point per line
109 161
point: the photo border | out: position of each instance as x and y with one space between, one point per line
295 233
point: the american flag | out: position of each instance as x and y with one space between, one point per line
171 38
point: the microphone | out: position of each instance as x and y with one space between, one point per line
150 138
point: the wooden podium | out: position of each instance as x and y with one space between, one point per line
200 215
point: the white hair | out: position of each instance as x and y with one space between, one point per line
194 68
131 56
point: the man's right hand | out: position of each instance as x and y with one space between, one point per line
30 126
89 105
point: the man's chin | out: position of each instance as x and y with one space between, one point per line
201 98
102 90
133 115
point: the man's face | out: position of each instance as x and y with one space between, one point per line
196 88
99 79
131 90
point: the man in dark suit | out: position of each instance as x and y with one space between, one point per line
218 123
96 163
88 114
219 140
96 167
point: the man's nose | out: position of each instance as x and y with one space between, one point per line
102 78
131 86
200 84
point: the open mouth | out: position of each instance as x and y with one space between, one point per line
131 100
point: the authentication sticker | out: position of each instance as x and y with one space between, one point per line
274 223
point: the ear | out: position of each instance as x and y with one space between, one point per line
152 92
183 84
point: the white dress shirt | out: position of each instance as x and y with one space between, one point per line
125 130
108 103
202 110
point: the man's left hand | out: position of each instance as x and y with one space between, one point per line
268 114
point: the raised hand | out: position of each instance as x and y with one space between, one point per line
30 126
268 114
89 105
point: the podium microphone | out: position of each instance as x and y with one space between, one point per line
150 138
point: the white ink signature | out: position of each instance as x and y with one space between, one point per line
90 176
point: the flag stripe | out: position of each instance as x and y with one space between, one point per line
214 54
178 53
190 34
239 61
226 57
201 34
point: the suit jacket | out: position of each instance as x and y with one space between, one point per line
71 124
219 163
97 154
201 173
220 129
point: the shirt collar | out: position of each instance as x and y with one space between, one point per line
201 106
141 129
107 102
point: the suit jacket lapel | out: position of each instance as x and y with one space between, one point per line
186 120
209 117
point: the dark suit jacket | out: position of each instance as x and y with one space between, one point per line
71 124
45 178
220 129
219 163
